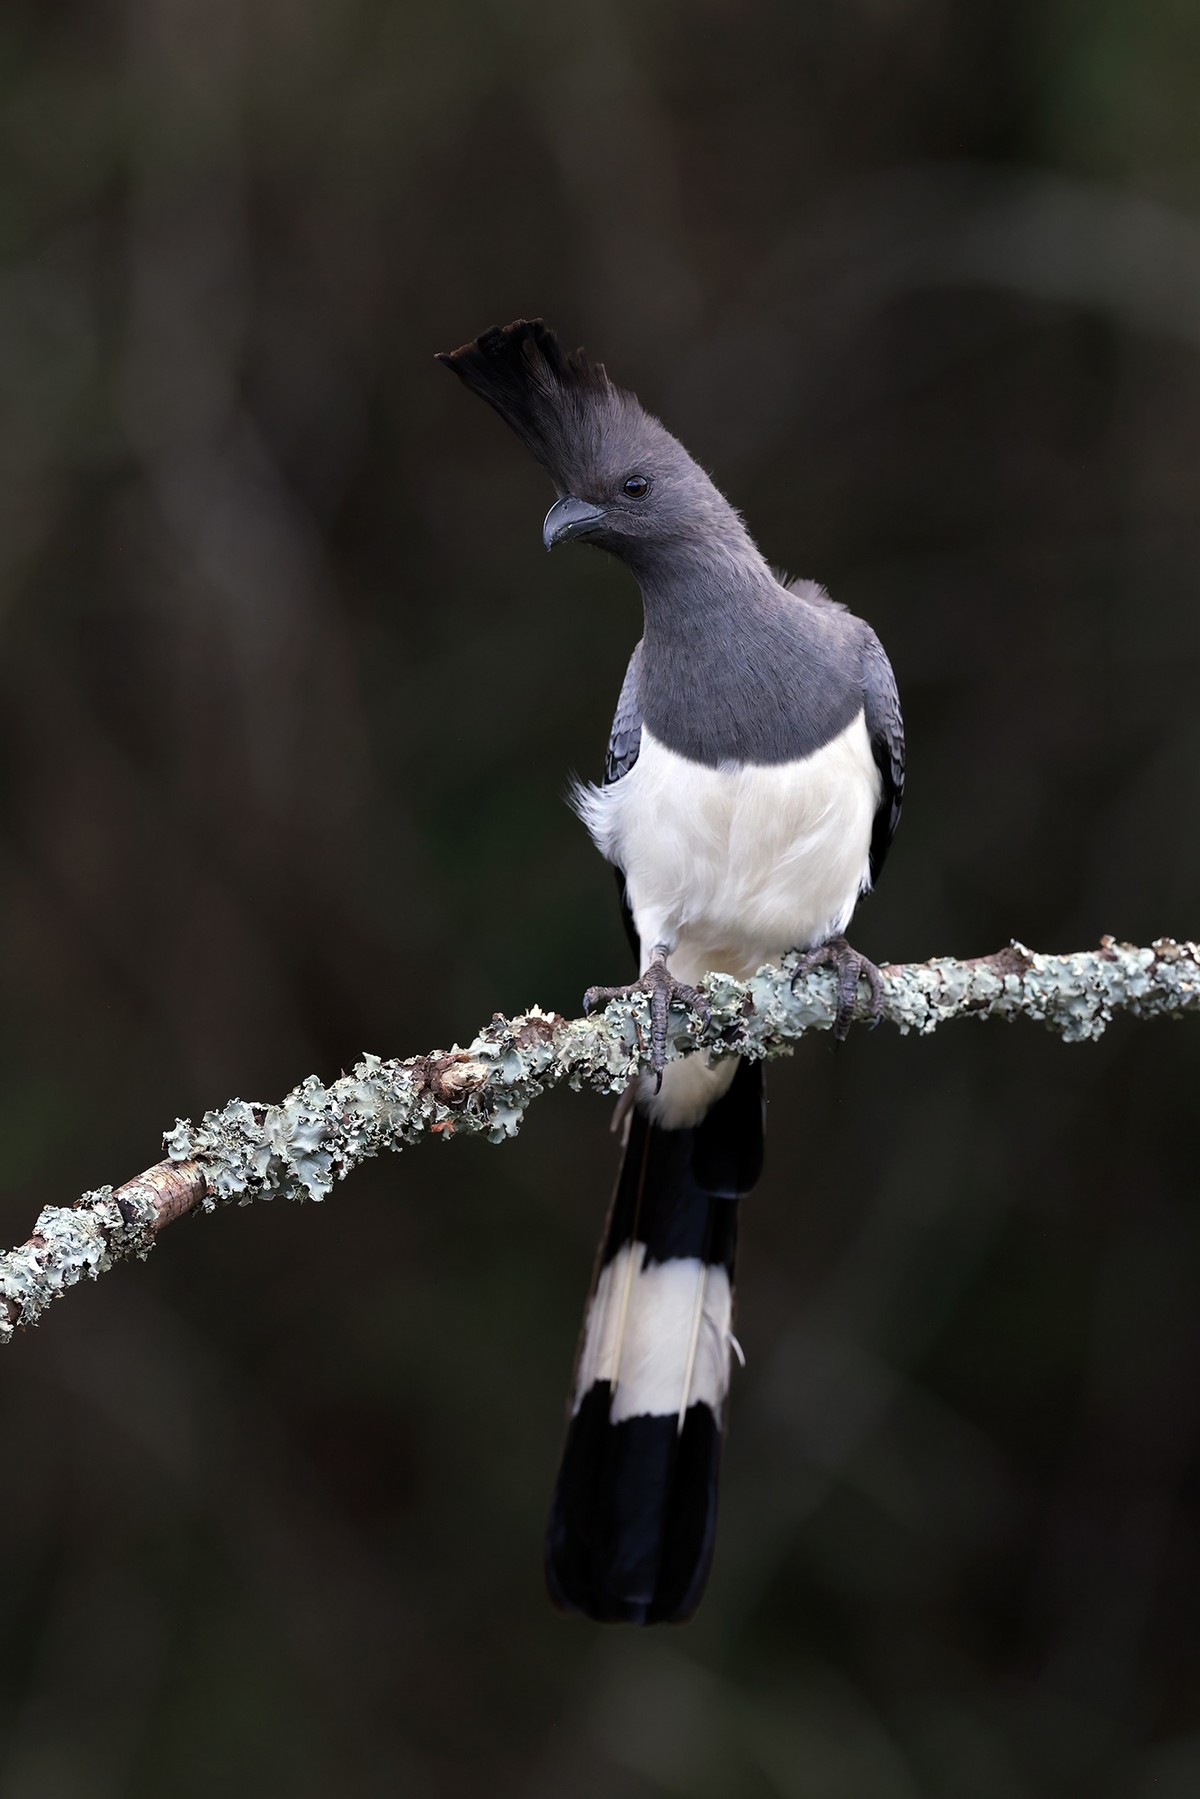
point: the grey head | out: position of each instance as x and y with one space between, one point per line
732 667
624 483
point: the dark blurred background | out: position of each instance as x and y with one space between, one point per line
289 695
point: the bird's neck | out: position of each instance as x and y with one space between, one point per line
706 592
715 645
736 669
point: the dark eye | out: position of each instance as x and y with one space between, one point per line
637 487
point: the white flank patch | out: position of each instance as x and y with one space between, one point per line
731 867
659 1335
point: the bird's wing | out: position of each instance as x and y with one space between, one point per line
624 745
885 726
881 707
625 738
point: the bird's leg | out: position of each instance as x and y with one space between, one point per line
850 968
663 990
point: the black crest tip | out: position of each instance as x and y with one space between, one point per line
523 353
541 390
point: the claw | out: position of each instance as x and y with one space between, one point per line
663 991
850 967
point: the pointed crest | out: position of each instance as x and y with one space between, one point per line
554 399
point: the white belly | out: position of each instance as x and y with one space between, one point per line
730 868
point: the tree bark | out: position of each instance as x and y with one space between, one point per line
299 1148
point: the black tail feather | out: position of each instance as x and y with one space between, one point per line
633 1519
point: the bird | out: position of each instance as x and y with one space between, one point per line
751 788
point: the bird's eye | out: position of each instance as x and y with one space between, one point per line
637 487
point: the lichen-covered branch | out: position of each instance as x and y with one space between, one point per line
299 1148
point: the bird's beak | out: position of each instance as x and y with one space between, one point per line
569 518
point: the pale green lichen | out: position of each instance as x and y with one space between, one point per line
314 1137
299 1148
71 1244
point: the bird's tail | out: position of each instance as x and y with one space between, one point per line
634 1512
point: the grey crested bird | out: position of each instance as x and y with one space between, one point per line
751 788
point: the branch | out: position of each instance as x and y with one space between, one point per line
298 1149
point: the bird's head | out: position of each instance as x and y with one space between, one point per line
624 483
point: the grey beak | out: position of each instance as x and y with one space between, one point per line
569 518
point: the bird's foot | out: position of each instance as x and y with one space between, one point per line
850 968
663 991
